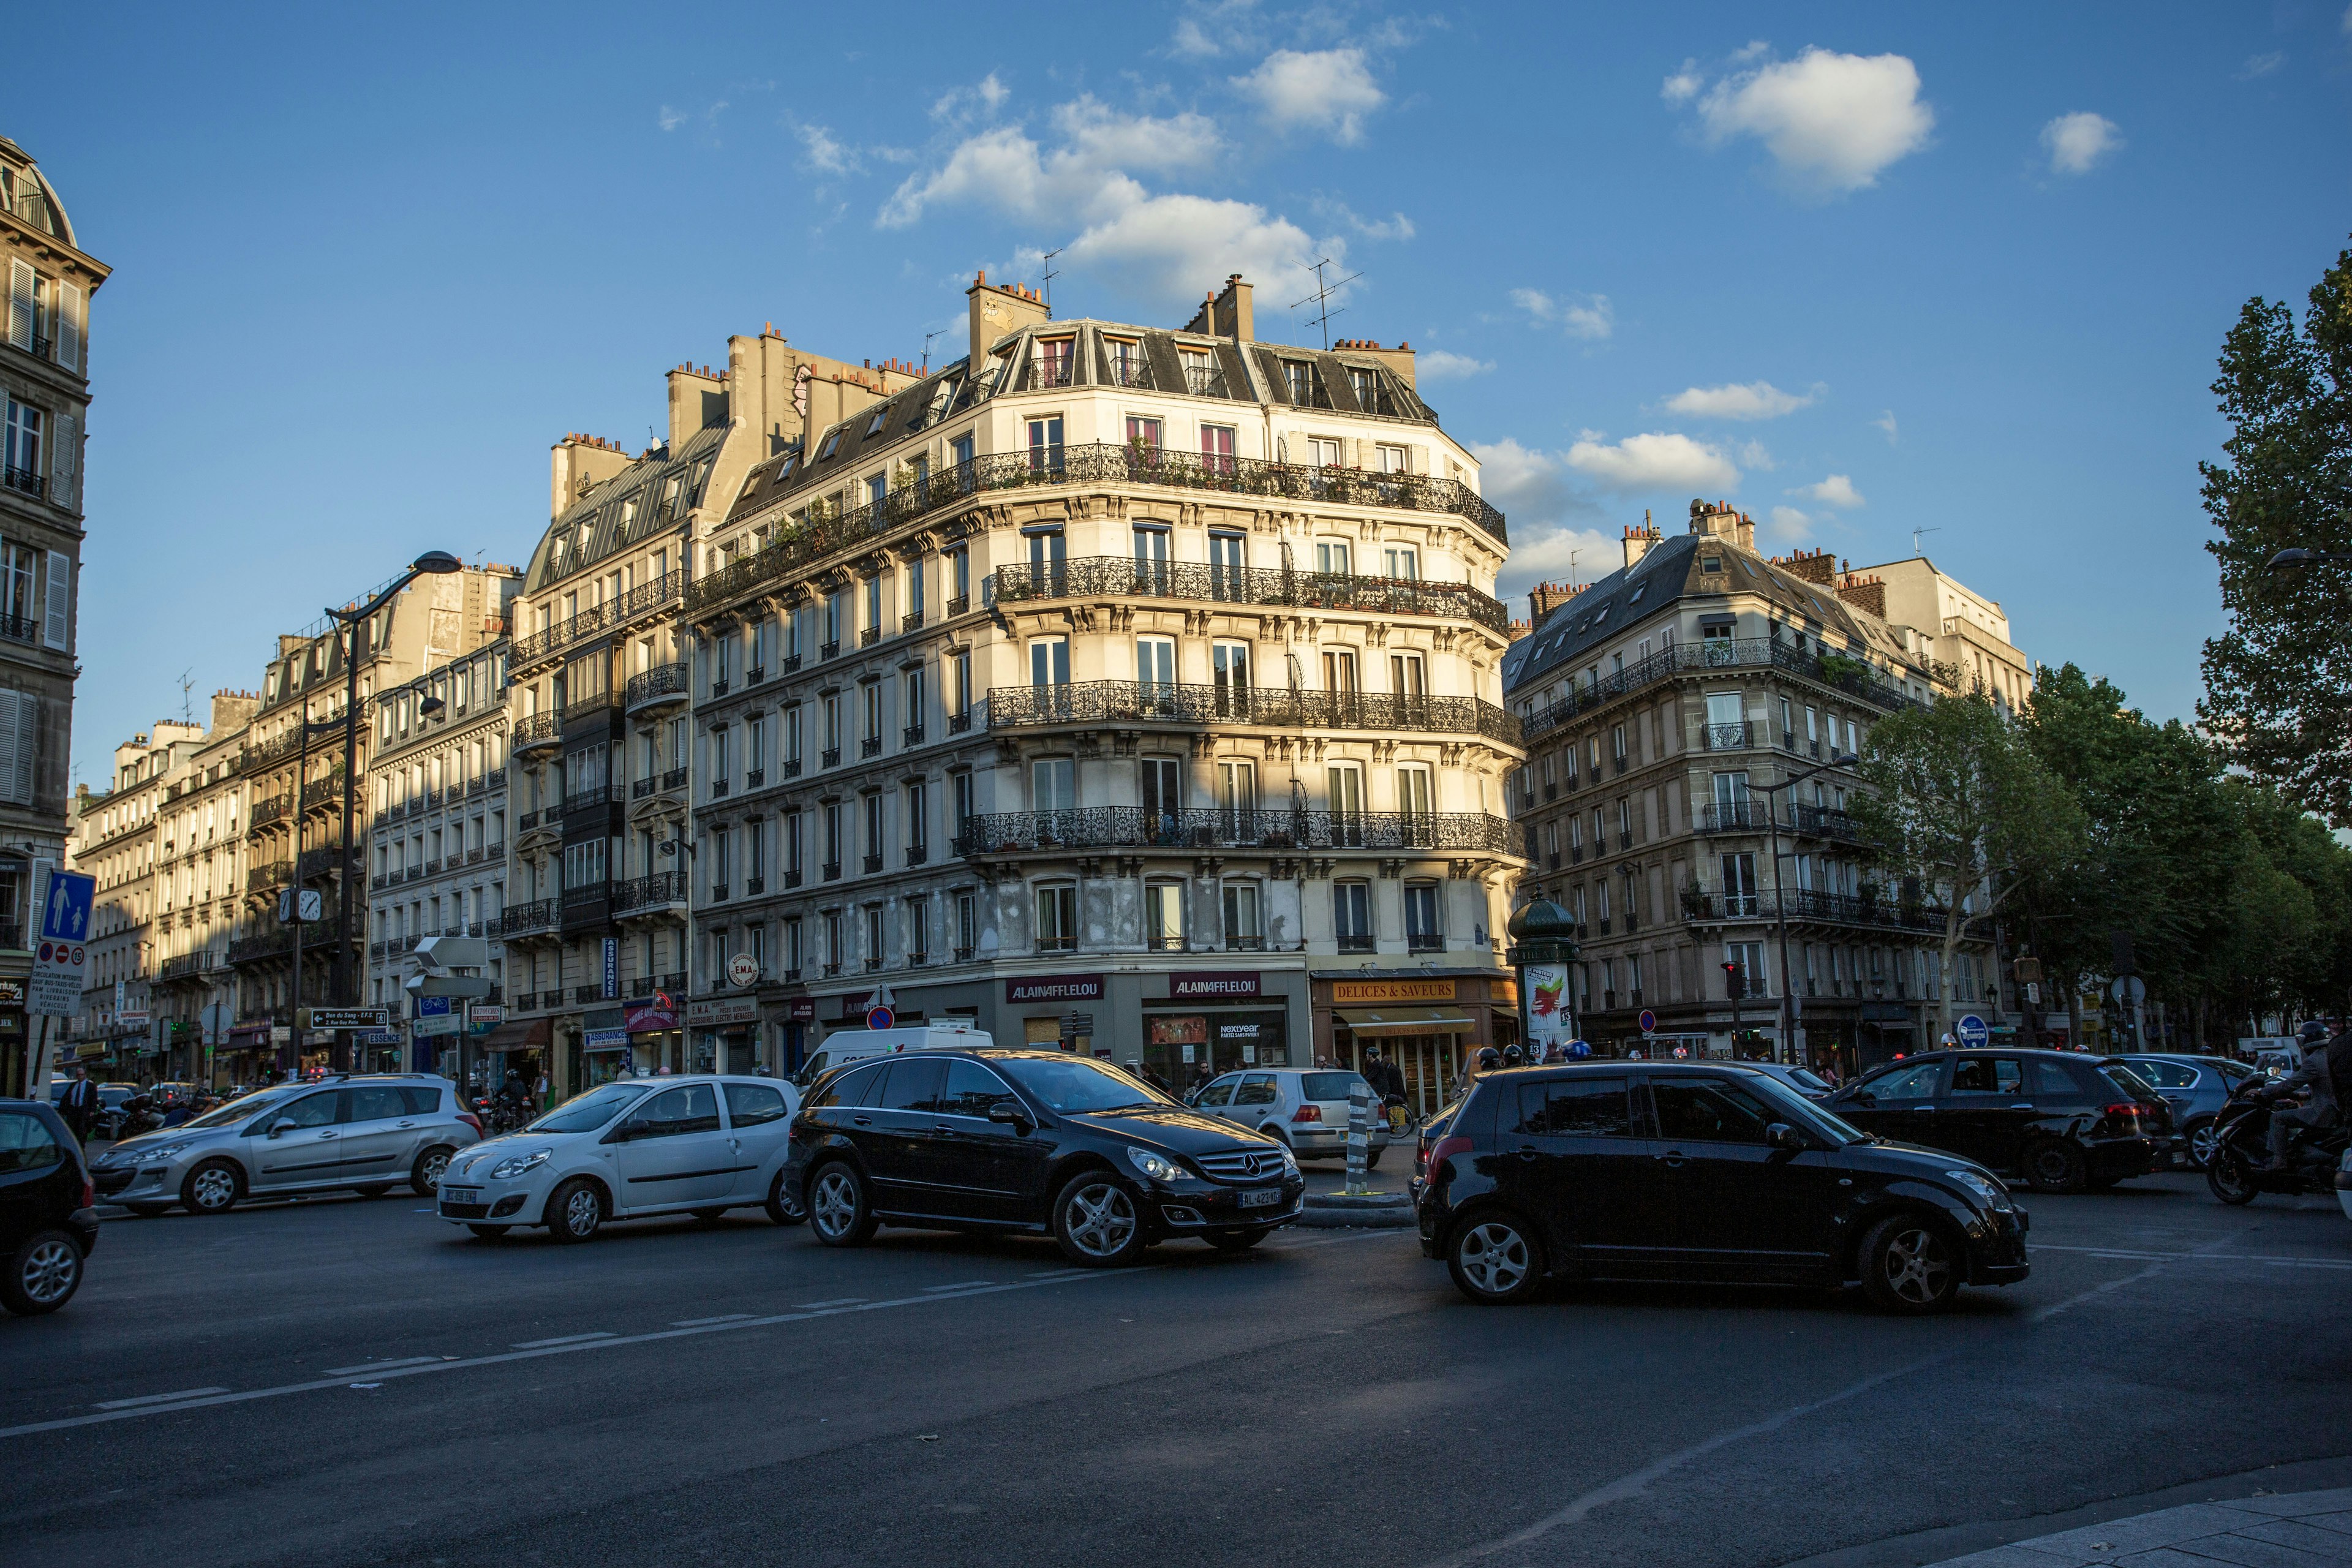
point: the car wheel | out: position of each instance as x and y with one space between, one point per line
43 1275
1097 1222
2230 1178
1493 1260
1235 1240
213 1187
2202 1140
488 1232
149 1211
784 1206
837 1210
1908 1266
425 1175
575 1210
2052 1167
1372 1159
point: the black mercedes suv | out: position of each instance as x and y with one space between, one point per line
1697 1170
1000 1139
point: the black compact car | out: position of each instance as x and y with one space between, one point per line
49 1215
2063 1120
1673 1171
1000 1139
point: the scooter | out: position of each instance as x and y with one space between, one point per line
2237 1172
138 1115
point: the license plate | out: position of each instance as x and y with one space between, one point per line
1263 1198
461 1195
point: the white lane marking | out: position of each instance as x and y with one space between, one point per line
2284 1262
2132 1279
155 1399
376 1366
961 1285
564 1339
573 1347
705 1322
828 1306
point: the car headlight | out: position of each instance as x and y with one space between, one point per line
1994 1195
141 1157
515 1164
1159 1167
1289 1162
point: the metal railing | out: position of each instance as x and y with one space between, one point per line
536 730
25 479
20 628
1847 675
1120 576
1750 816
1092 701
659 890
1213 828
1806 904
640 600
648 686
522 919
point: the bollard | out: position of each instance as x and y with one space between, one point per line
1360 1136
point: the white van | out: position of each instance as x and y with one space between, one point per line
856 1045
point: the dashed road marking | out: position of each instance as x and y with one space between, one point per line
564 1339
145 1399
377 1366
705 1323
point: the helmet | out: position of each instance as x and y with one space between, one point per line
1489 1059
1513 1056
1578 1050
2314 1030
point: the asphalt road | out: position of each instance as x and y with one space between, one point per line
358 1383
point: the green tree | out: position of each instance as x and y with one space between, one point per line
1955 802
2279 681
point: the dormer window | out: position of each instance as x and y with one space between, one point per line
784 470
881 417
1054 361
1710 562
831 443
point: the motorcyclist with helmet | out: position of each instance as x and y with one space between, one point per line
2316 1113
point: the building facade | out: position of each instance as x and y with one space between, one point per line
119 839
1133 690
1963 633
201 892
1683 800
45 401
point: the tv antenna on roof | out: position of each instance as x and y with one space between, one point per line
1916 534
927 348
1047 262
187 709
1321 298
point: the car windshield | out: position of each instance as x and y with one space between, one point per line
1327 1084
237 1110
1804 1113
591 1111
2130 1082
1078 1085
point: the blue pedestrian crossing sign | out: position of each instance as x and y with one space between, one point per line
64 909
1971 1030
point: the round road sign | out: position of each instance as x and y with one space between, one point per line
744 969
879 1018
1971 1030
1649 1022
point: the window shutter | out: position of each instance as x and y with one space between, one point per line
69 327
8 700
62 450
20 303
20 714
59 633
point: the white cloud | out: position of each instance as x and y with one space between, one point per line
1172 243
1330 91
1659 460
1836 490
1211 27
1886 421
1752 400
671 119
2078 143
1753 454
824 154
1684 85
1536 491
1578 315
959 107
1788 524
1832 122
1084 177
2260 65
1439 364
1396 226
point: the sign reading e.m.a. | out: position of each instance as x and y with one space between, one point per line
1055 988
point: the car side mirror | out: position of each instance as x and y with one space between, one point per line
634 1129
1007 1114
279 1127
1780 1135
1857 1096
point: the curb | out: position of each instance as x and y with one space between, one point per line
1335 1210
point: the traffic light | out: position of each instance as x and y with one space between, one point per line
1734 980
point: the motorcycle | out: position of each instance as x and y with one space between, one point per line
2237 1172
497 1114
137 1115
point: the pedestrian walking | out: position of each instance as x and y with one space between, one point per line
79 1107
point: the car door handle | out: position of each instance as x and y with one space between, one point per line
1673 1157
1525 1153
327 1134
863 1121
942 1127
2022 1105
1923 1111
407 1124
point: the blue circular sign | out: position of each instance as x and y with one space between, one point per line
1649 1022
879 1018
1971 1030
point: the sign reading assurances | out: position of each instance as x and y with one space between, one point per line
1211 984
1348 993
1055 988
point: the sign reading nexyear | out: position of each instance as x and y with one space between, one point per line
1055 988
1211 984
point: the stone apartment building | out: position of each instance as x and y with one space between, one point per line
200 903
1963 633
1133 690
44 414
1680 799
596 957
118 839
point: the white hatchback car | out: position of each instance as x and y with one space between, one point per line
700 1144
1307 1108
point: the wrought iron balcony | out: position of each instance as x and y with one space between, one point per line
790 768
658 891
873 863
1133 826
1753 814
1151 702
1824 822
914 736
754 777
1119 577
525 920
871 746
830 757
960 604
958 724
643 599
869 637
25 480
535 729
1851 676
718 687
663 683
911 622
673 779
756 674
1810 906
824 650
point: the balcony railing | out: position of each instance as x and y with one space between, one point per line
25 479
1847 675
1823 822
653 685
1751 816
536 730
640 600
1119 577
812 537
1098 701
522 919
20 628
1134 826
1806 904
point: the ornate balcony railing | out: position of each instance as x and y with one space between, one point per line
1848 675
523 919
1750 816
1119 577
659 890
1213 828
640 600
1151 701
1808 905
536 730
315 934
1823 822
812 535
261 879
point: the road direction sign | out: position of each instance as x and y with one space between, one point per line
350 1017
1971 1030
434 1015
215 1020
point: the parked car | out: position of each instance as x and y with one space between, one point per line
2062 1119
48 1216
2196 1089
1675 1171
1002 1138
1804 1080
365 1134
1306 1107
700 1144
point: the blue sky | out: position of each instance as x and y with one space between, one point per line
1861 269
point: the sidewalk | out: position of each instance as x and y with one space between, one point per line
2305 1530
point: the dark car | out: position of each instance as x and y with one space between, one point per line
2063 1120
1668 1171
1002 1138
2196 1088
49 1215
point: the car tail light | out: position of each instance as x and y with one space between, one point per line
1444 1149
1308 1113
472 1121
88 1194
2125 1114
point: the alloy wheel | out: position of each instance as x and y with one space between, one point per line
433 1167
1918 1267
1494 1257
2202 1140
581 1211
833 1206
51 1270
1101 1219
214 1187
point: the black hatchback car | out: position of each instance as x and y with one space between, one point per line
1672 1170
2063 1120
49 1215
1000 1139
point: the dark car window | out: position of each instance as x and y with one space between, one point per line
749 1104
912 1085
1576 1108
310 1111
1256 1090
689 1108
26 1144
1986 1075
1329 1084
1072 1085
971 1089
1709 1110
1917 1081
1219 1093
2128 1080
2054 1084
588 1112
2166 1075
377 1103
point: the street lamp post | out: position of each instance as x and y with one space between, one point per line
1781 905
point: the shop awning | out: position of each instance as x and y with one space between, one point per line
517 1034
1408 1020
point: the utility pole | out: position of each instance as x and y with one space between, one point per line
1321 298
